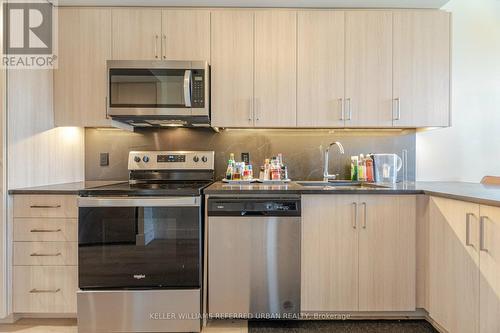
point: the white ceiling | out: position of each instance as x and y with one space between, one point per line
262 3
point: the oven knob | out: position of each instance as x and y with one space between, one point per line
145 159
204 159
196 159
137 159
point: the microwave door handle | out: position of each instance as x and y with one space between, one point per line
187 88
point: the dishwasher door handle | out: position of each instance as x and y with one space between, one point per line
245 213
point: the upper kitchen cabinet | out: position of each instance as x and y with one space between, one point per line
136 34
368 72
320 69
186 35
154 34
232 68
80 79
421 68
275 68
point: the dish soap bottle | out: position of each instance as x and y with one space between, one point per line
354 168
230 167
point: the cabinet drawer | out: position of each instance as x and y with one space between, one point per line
45 230
45 206
45 289
45 253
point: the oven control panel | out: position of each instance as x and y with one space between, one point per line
171 160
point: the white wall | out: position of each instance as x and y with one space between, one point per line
39 154
470 148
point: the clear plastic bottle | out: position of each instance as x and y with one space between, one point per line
354 168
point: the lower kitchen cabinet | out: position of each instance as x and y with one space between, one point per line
464 266
45 289
358 253
329 258
387 253
453 265
489 278
45 254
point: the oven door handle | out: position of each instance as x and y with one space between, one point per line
138 202
187 88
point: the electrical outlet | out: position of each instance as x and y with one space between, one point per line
104 159
245 157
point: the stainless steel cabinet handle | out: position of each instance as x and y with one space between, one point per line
364 214
342 109
467 229
355 215
45 230
250 110
164 46
156 46
106 106
348 107
45 206
42 291
398 108
256 108
482 246
45 254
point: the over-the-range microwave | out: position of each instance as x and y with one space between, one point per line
156 93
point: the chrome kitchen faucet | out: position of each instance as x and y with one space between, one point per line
326 175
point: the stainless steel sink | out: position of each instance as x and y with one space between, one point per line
339 184
332 183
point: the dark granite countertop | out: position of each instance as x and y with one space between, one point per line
472 192
65 188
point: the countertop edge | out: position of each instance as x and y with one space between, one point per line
71 188
471 199
75 188
46 192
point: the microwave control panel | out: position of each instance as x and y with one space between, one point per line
198 89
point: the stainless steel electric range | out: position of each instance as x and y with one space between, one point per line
140 246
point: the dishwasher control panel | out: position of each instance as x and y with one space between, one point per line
254 207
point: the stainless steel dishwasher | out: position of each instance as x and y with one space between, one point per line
254 257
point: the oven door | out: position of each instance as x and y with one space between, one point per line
136 243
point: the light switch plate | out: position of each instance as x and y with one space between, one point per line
104 159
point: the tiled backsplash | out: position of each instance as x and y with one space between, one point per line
302 149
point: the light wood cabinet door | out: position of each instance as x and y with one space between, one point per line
80 79
368 73
45 253
387 257
45 205
232 68
275 68
186 34
136 33
329 260
320 69
44 289
421 68
489 280
454 265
